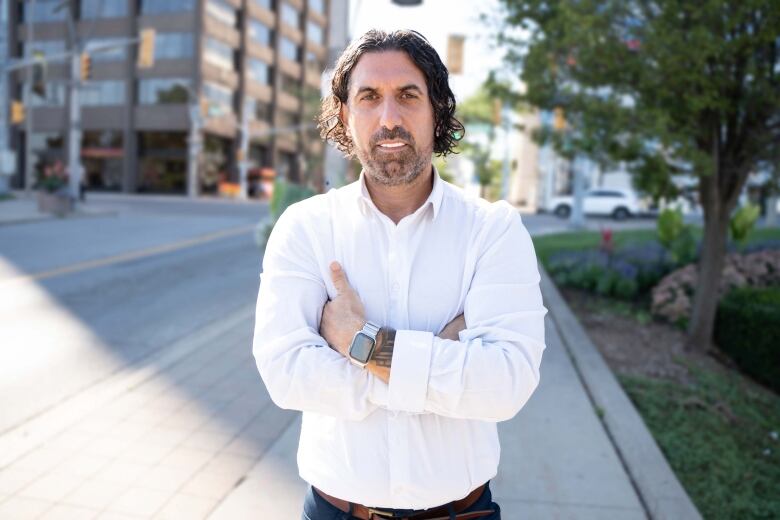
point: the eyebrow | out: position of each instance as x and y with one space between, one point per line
405 88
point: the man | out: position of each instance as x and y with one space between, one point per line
397 422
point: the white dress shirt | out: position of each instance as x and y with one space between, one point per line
429 436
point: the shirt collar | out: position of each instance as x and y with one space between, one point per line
434 199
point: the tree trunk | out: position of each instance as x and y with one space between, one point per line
705 302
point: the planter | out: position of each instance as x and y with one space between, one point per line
59 204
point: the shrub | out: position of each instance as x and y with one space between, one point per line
672 297
747 328
676 236
742 222
284 195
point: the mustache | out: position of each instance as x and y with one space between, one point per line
397 132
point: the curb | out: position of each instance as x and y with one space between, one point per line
47 217
659 490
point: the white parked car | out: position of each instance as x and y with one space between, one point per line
620 204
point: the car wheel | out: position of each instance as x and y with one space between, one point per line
562 211
621 214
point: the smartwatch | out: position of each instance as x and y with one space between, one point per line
363 344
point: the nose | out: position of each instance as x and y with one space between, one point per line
391 115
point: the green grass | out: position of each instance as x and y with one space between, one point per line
716 436
6 196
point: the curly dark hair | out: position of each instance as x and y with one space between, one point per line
447 129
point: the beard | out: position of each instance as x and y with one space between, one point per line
394 168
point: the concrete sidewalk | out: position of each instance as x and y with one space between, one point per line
23 208
556 460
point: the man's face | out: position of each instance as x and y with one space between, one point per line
389 117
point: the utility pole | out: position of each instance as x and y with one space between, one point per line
577 220
243 163
6 156
29 11
195 142
74 138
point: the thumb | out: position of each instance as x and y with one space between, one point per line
339 278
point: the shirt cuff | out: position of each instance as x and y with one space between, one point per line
409 373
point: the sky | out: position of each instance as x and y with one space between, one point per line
436 19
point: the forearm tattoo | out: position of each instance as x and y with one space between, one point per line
383 357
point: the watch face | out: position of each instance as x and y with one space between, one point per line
361 347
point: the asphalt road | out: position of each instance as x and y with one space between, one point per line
80 299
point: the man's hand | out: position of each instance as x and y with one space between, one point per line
342 316
451 330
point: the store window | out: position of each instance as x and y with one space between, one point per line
163 164
102 157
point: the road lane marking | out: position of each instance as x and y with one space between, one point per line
133 255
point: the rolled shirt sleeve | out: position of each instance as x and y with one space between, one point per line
492 371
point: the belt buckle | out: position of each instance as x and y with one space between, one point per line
379 513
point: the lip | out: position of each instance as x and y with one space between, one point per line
391 145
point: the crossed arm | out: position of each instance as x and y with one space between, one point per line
344 315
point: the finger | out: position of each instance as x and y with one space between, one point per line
339 278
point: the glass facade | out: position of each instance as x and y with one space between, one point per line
102 155
315 33
173 45
259 71
55 96
163 91
91 9
290 15
260 33
219 53
47 47
117 53
167 6
289 50
163 162
222 11
220 98
291 85
99 93
44 11
265 4
262 111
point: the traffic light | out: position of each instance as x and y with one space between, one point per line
559 119
86 66
146 49
17 112
39 74
455 54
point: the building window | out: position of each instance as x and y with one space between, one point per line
117 53
313 62
291 86
260 33
47 47
54 97
262 111
259 71
222 11
290 15
45 11
172 46
315 33
265 4
163 91
91 9
219 53
317 5
103 93
289 50
220 98
168 6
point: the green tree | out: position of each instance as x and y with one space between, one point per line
670 87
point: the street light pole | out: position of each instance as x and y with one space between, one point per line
195 142
243 164
30 12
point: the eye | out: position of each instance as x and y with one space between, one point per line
369 97
409 95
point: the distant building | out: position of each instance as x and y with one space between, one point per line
263 56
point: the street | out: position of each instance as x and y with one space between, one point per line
82 298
